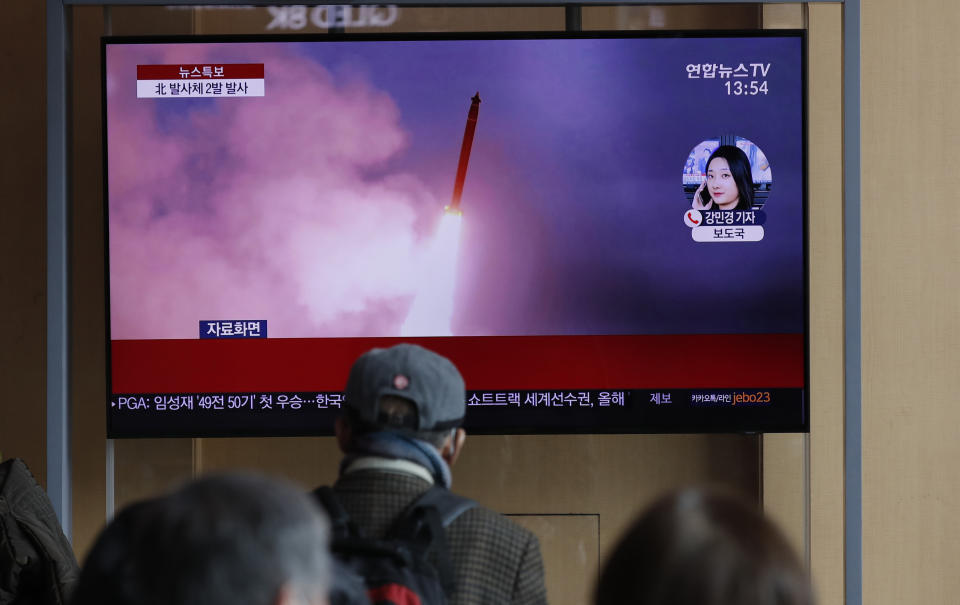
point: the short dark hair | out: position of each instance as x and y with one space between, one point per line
701 547
399 415
231 539
740 170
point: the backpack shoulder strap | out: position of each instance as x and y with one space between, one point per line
340 521
423 523
449 505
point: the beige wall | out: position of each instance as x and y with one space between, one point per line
911 318
824 503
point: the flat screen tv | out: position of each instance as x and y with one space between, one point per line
606 232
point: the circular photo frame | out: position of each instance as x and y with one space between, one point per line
727 173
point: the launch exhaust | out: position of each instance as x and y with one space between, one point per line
431 312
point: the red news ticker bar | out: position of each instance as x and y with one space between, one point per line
234 71
486 362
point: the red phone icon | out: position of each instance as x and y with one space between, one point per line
690 216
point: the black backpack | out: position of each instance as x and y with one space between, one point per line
395 570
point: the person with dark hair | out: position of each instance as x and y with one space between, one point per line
400 433
729 181
223 540
698 547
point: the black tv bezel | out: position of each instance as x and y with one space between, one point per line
719 425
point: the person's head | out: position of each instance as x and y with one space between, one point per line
409 390
698 547
730 179
223 540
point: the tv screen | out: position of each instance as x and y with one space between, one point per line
605 232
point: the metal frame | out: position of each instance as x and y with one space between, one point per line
58 257
58 270
852 446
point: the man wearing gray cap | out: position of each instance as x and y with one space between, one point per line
400 433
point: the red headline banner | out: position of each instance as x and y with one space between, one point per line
486 362
186 71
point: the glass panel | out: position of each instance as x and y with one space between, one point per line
701 16
517 18
299 19
149 20
785 16
211 20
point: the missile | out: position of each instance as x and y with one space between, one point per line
454 206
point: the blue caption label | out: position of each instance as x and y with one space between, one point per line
234 328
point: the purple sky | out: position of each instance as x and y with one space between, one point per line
311 207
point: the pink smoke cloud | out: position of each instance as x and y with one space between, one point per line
259 208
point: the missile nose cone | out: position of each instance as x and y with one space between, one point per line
476 97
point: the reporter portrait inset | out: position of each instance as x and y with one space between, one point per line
726 182
729 183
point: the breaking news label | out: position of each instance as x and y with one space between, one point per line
188 80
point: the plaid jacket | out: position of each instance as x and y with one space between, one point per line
495 561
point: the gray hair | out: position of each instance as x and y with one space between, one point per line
221 540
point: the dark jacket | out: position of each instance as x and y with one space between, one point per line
495 561
37 564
